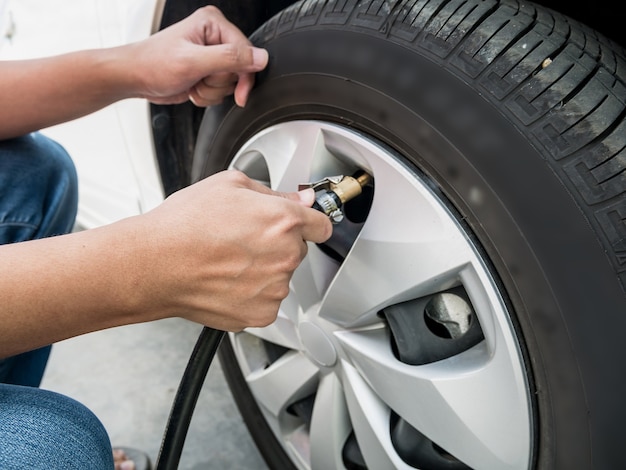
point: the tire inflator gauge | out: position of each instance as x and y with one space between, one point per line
331 194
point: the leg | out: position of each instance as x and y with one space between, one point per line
40 429
38 189
38 198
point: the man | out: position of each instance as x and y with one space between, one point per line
220 252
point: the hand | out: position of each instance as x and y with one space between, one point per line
202 58
220 252
223 250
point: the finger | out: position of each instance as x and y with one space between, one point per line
173 99
202 102
203 96
306 197
317 227
219 80
243 89
220 29
240 179
232 57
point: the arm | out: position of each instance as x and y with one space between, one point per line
220 252
202 58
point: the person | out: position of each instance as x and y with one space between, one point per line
220 252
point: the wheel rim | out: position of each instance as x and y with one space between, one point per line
371 362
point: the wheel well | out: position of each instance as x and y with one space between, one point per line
175 126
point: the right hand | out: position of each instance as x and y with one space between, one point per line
222 251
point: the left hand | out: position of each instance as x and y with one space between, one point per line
202 58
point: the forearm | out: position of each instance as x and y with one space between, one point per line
38 93
203 57
61 287
220 252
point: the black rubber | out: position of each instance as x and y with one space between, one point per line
516 114
186 398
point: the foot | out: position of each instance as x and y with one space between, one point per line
126 458
121 460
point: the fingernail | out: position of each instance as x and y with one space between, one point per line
307 196
259 57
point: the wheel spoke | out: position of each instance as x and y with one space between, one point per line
297 376
396 258
288 152
330 426
370 419
374 286
282 332
307 284
311 280
470 405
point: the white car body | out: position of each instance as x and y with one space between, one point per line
112 148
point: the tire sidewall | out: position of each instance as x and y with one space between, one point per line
541 249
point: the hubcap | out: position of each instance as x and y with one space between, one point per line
394 348
316 344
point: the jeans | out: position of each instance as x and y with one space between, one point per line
41 429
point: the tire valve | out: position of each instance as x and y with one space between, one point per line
332 192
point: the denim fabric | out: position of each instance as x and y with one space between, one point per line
40 429
38 189
43 430
38 198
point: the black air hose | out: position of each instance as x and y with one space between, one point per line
186 398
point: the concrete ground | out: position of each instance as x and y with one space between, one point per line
128 377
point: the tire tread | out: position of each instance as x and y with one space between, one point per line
561 83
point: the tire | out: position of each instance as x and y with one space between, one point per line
502 122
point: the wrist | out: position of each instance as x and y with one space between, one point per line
141 276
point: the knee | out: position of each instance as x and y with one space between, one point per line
38 188
43 429
54 161
38 152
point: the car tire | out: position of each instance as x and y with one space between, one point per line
512 115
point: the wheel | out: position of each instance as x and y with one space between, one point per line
468 310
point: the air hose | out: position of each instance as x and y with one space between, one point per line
331 194
187 397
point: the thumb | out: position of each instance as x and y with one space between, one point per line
233 58
306 197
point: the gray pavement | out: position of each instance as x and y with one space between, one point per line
128 377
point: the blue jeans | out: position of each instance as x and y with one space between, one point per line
43 430
38 428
